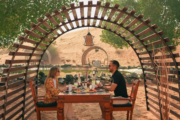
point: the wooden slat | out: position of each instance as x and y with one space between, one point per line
147 30
82 12
29 114
15 91
1 115
14 107
153 44
171 103
47 26
54 22
15 113
128 17
157 50
23 54
141 25
159 70
104 13
18 75
134 21
33 34
33 25
31 41
14 99
96 12
158 63
171 96
152 36
159 57
118 17
18 68
19 61
138 27
60 18
26 47
67 16
74 14
116 6
117 29
167 56
148 38
142 53
2 88
149 70
16 84
154 82
89 12
31 78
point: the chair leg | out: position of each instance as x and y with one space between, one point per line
127 115
38 115
131 115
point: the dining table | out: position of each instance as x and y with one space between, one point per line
85 97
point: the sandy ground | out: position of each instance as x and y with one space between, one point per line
91 111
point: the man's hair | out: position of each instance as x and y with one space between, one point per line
116 63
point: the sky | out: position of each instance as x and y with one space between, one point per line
85 15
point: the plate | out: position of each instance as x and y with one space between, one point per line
80 92
100 90
91 91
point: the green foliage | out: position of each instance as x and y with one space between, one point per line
17 15
163 13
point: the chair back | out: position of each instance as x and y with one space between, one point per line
134 90
33 90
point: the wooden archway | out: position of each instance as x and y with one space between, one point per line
46 34
88 50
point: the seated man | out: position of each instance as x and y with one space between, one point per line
118 84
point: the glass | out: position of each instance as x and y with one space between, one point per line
97 81
90 87
70 87
76 85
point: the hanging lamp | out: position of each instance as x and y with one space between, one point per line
88 39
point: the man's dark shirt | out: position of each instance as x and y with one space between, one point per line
118 79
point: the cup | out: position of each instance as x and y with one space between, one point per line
70 87
76 85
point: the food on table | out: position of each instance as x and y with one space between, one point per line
92 90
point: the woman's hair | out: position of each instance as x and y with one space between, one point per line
52 73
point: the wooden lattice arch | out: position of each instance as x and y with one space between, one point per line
48 33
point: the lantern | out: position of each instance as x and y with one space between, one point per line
88 39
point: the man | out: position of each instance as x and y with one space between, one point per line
118 84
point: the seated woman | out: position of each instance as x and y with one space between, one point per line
52 91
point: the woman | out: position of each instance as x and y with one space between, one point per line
52 91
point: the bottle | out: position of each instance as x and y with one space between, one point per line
79 79
93 81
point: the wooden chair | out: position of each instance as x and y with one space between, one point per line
41 106
129 106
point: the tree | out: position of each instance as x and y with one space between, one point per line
163 13
17 15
